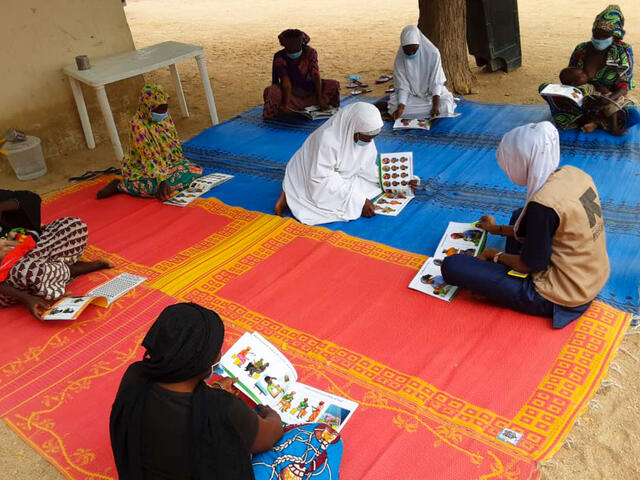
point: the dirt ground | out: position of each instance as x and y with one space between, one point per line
239 38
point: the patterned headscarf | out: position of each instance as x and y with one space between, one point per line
154 147
293 39
610 20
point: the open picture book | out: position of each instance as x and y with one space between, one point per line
463 238
420 123
70 308
396 171
266 376
314 113
198 188
554 92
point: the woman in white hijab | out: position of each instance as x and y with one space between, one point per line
333 176
419 79
556 240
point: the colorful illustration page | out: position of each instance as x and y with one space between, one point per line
429 280
197 189
396 171
262 371
459 238
409 123
305 404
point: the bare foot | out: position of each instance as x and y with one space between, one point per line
589 127
164 191
82 268
281 205
110 190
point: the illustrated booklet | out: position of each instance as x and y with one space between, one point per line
267 377
459 238
198 188
70 308
396 171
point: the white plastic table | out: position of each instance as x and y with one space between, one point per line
126 65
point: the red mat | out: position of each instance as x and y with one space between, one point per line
436 381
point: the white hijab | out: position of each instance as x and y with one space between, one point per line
335 138
529 155
422 76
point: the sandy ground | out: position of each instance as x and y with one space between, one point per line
239 39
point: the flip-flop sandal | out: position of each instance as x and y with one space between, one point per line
384 78
353 78
390 90
360 92
357 83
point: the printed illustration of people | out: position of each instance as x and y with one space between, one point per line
242 356
285 401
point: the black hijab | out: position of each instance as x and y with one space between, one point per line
28 214
181 344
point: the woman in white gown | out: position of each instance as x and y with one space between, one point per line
419 79
333 176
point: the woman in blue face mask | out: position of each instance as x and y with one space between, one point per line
607 62
296 81
153 166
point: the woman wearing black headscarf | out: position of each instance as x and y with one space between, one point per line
295 78
167 423
19 209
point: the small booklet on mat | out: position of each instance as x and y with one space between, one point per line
396 170
197 188
70 308
555 91
268 378
314 113
420 123
464 238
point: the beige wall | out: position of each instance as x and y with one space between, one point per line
38 38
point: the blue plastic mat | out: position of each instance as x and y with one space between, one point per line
461 179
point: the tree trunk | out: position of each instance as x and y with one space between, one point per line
444 22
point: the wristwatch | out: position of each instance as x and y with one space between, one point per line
496 257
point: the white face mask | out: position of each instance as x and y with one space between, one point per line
214 367
362 143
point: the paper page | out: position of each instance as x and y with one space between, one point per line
263 372
197 188
566 91
429 280
463 238
458 238
391 204
116 288
69 308
305 404
412 123
396 171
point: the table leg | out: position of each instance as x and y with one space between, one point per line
202 66
180 92
82 112
108 120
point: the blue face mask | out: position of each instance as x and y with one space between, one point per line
158 117
601 44
293 56
362 143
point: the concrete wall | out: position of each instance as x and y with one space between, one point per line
38 38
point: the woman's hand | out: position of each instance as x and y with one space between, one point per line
368 210
36 305
6 246
488 254
227 384
413 184
488 223
399 111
